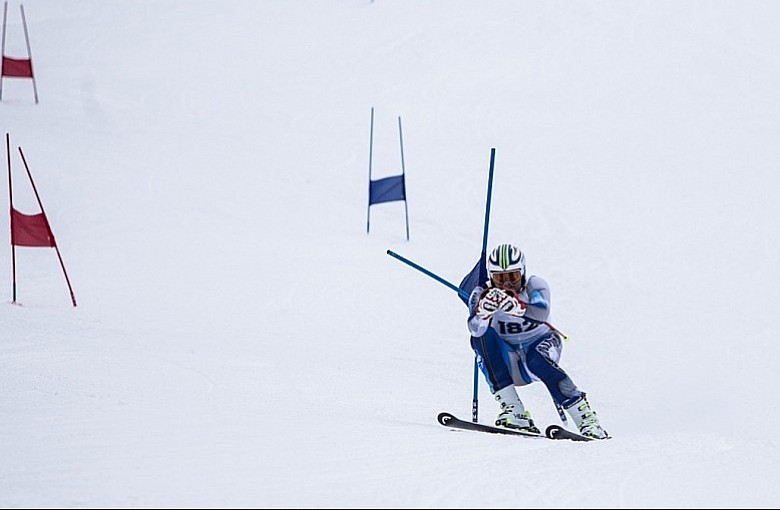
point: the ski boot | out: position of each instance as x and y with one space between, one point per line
586 420
513 414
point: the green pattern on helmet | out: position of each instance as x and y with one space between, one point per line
503 260
506 257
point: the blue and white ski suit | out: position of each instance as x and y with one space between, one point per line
520 350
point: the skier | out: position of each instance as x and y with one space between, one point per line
516 346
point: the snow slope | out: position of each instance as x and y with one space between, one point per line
241 341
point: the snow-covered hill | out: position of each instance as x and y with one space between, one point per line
241 341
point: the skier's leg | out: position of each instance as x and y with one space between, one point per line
542 359
493 359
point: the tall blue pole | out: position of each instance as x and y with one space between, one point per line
487 204
483 277
403 172
370 159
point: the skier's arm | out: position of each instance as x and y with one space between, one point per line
477 325
538 299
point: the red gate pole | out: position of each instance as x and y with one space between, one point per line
2 51
11 202
29 54
62 264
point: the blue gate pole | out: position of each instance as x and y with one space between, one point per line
483 257
436 277
403 172
487 204
370 158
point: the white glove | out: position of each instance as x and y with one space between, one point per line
498 299
490 302
513 306
487 305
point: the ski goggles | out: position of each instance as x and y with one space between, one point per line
511 277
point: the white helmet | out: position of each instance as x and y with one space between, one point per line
506 265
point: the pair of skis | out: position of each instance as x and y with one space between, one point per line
552 432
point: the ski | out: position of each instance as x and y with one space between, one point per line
553 431
558 432
451 421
